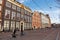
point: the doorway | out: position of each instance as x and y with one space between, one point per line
21 25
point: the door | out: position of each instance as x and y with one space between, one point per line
21 25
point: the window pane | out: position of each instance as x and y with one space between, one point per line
18 9
0 8
17 25
14 7
0 14
18 16
13 15
0 1
0 25
22 11
6 25
7 13
12 25
8 4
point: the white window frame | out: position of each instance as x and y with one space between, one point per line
6 25
18 9
13 14
0 1
18 15
13 6
0 8
7 11
8 4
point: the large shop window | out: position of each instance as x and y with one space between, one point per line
6 25
13 7
12 25
0 1
7 13
8 4
13 15
18 16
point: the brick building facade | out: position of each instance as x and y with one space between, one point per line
36 22
12 13
40 20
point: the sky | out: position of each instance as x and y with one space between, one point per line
50 7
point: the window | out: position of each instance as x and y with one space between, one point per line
31 19
22 15
18 9
0 14
24 25
13 15
28 18
17 25
12 25
0 25
22 11
14 7
18 16
7 13
25 11
25 17
0 8
6 25
8 4
0 1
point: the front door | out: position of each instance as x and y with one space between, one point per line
21 25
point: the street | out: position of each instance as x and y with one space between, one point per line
41 34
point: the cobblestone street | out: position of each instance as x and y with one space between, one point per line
41 34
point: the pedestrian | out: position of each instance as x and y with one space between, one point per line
34 27
22 32
14 33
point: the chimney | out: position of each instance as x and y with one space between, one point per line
47 15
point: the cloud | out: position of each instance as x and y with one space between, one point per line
54 15
50 11
21 1
40 11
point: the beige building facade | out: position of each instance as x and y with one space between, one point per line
45 20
